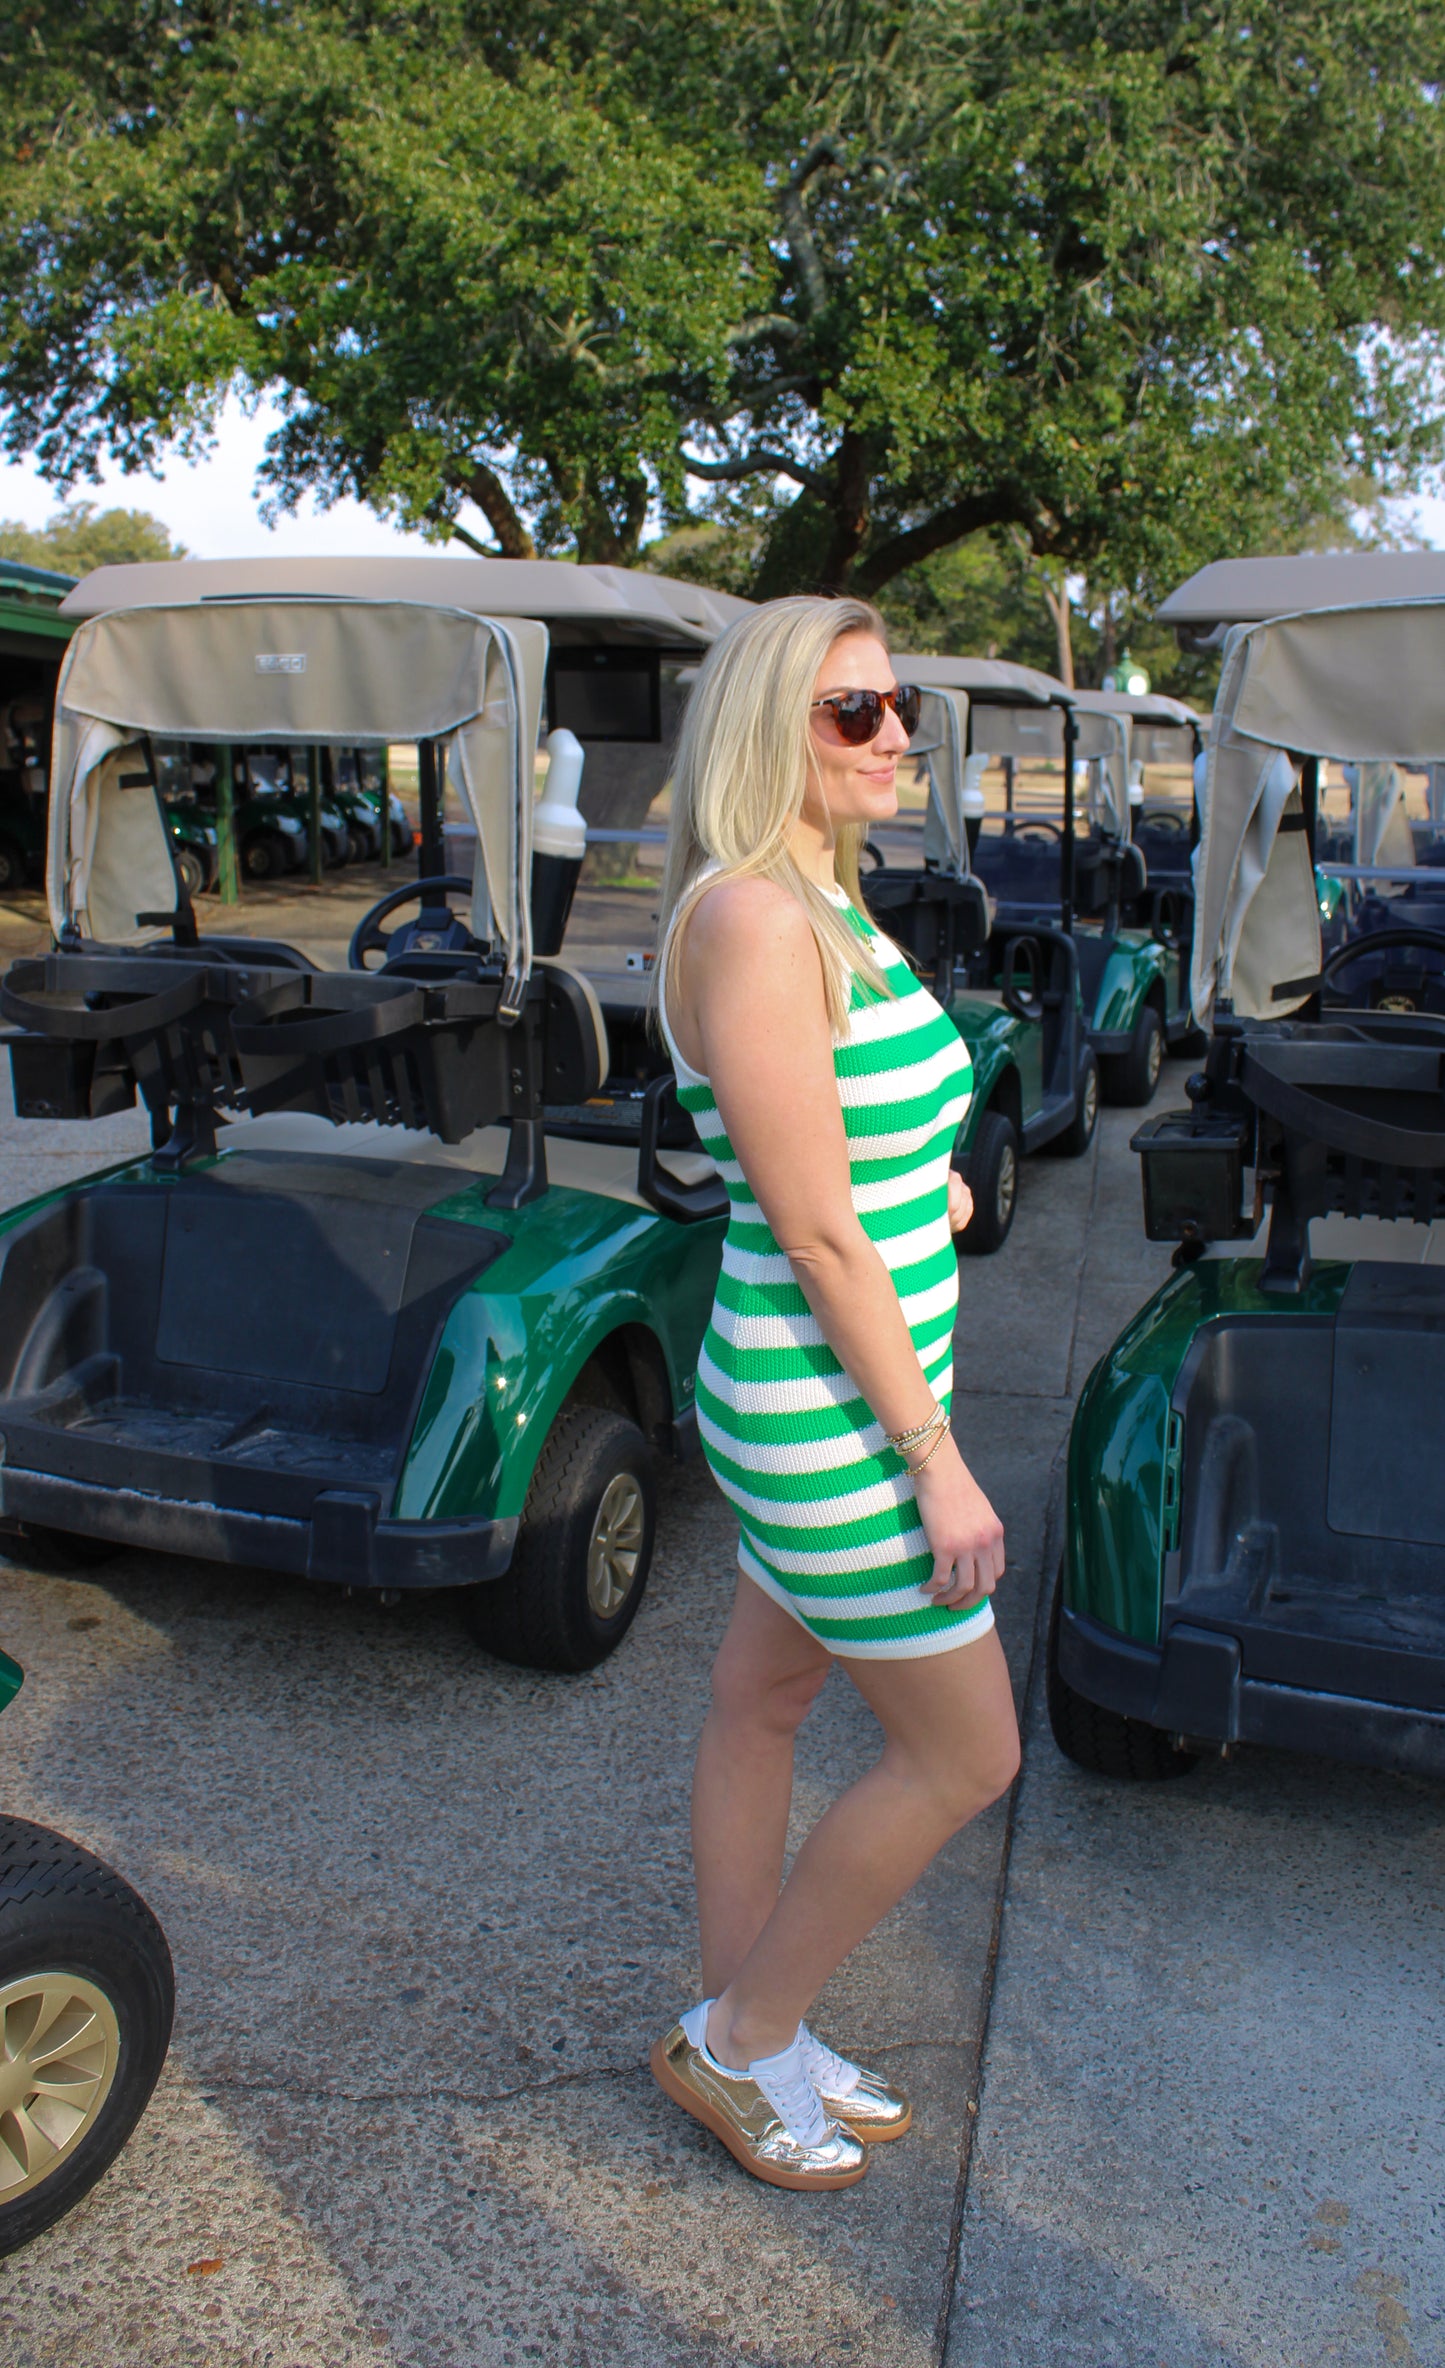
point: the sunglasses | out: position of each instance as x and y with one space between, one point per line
859 714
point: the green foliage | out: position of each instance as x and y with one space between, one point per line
1120 278
80 537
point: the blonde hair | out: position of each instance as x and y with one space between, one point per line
741 769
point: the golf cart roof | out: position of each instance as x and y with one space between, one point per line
343 670
1362 682
1243 591
1142 707
986 680
578 603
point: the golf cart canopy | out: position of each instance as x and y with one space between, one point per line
1245 591
343 669
578 604
1017 711
1162 731
1361 683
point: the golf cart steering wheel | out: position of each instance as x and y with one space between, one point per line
874 854
1167 820
1036 826
436 928
1381 941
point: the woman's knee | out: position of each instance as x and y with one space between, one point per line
773 1701
965 1779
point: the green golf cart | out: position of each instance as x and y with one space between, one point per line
1011 988
1041 871
86 1999
365 1313
1255 1545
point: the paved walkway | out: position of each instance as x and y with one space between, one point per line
1176 2052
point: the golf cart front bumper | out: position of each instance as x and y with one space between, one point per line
343 1541
1195 1685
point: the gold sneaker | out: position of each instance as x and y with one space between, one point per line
785 2138
861 2101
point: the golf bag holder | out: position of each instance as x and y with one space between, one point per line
424 1046
933 918
1342 1116
89 1029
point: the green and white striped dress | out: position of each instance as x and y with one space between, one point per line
829 1517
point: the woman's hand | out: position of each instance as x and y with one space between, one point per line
960 1202
964 1532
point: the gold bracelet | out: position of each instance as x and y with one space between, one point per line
914 1469
903 1440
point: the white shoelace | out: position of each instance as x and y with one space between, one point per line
831 2074
784 2081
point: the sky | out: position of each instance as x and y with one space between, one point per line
211 505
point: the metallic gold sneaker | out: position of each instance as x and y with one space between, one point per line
751 2125
862 2102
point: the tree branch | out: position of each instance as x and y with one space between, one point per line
755 463
486 489
459 534
801 244
946 526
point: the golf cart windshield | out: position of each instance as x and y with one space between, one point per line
1361 684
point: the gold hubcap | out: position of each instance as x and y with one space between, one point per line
615 1547
59 2047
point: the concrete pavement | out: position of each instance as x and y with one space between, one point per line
428 1912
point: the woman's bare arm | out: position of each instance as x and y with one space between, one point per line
746 998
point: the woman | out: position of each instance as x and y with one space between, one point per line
829 1087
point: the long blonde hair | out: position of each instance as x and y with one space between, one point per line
741 769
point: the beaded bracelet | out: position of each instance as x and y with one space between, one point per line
903 1440
915 1469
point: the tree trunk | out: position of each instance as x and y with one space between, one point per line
1057 604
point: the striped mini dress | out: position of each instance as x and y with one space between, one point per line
828 1515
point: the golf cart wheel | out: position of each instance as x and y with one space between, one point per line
1079 1133
1131 1078
1104 1741
86 1999
993 1179
12 867
583 1550
358 845
264 857
401 839
192 871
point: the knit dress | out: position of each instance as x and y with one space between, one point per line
828 1514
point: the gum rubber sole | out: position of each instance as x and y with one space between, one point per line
806 2181
870 2134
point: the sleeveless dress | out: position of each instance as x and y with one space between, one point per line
828 1515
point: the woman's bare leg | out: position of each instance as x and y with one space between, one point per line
951 1747
766 1677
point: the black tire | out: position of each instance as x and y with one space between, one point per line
401 840
1104 1741
192 871
64 1912
993 1179
12 867
58 1550
1131 1079
543 1614
359 844
1079 1133
264 857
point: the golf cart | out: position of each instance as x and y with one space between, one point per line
1010 988
1255 1546
1162 733
86 2000
363 1314
1041 872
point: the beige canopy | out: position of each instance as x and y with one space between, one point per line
577 603
1364 683
1018 711
942 741
1162 731
1245 591
343 670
